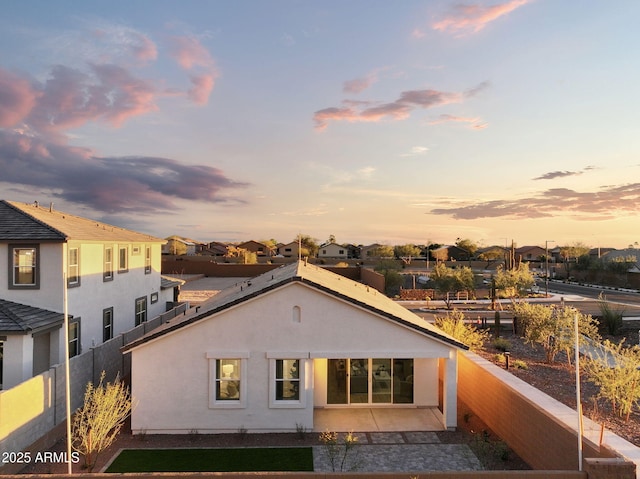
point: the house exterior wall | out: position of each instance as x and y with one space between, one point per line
170 374
85 301
333 250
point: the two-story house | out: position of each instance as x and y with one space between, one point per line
112 276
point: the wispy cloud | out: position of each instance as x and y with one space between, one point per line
399 109
471 18
36 147
553 202
416 151
552 175
474 123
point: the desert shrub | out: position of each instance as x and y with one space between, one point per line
501 344
453 323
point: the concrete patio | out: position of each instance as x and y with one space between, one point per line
382 419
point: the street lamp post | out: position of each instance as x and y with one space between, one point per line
546 267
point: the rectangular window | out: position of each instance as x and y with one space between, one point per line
227 379
287 379
123 259
228 374
73 267
141 310
147 260
108 264
24 267
107 324
74 338
154 298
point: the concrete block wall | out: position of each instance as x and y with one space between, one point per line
537 427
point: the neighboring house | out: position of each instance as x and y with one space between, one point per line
175 243
260 249
261 355
334 251
216 249
289 250
112 277
530 253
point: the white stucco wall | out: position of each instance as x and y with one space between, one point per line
170 375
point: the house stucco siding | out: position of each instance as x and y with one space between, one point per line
170 374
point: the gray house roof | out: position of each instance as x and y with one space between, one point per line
32 222
356 293
18 318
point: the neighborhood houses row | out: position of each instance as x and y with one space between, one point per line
332 250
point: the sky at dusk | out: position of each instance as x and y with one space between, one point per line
373 121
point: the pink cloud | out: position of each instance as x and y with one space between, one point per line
202 88
399 109
358 85
143 48
473 18
71 98
189 52
474 123
17 99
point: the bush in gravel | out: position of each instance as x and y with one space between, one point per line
502 344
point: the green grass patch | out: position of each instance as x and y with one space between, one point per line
214 460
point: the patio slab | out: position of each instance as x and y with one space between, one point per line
376 419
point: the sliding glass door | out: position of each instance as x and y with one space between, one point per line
370 381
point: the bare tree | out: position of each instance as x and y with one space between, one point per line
97 423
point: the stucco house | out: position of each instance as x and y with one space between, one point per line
266 353
112 276
334 251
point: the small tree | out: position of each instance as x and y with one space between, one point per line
392 278
451 280
97 423
552 327
515 281
615 369
453 324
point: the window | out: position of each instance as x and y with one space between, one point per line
107 324
227 379
123 259
141 310
154 298
147 260
24 267
73 267
108 264
286 380
74 338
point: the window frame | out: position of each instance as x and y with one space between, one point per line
147 259
107 270
107 325
141 313
214 357
274 402
121 268
76 282
11 266
75 324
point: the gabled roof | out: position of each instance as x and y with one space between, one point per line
18 318
31 222
356 293
168 282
